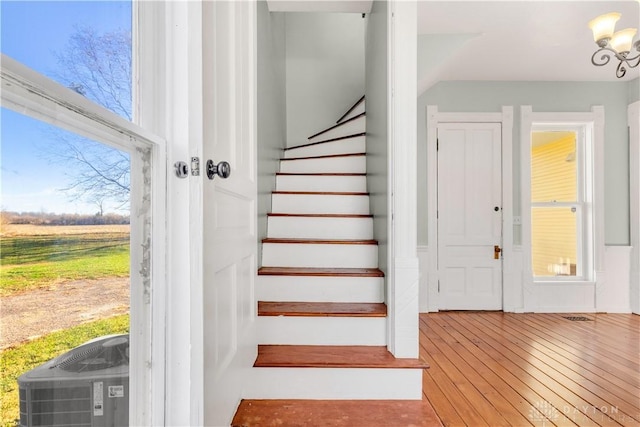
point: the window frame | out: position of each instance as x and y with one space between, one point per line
591 124
584 189
30 93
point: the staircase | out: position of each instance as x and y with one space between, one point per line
322 321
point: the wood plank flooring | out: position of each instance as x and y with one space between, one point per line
499 369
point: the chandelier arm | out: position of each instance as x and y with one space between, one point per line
633 61
621 70
604 59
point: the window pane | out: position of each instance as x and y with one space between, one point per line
65 265
83 45
553 167
554 241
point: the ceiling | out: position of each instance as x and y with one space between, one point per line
514 40
503 40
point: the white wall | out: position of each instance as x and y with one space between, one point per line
324 69
634 91
553 97
542 96
271 113
376 88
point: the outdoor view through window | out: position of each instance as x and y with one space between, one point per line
64 229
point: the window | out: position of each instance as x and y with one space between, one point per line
562 196
556 204
31 88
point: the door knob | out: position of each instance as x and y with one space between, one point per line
496 252
222 169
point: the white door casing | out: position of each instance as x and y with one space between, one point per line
633 121
511 289
197 83
229 205
469 216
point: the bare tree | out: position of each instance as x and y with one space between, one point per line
97 66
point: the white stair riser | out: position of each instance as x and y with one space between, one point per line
334 383
321 183
319 227
320 289
319 255
358 125
356 111
349 164
319 204
341 146
300 330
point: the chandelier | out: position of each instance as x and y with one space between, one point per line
618 43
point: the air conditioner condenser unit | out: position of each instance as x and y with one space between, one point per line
87 386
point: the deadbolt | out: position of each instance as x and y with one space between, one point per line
222 169
182 169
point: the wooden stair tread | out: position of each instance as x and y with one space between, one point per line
320 241
337 125
319 215
322 309
353 107
337 138
324 193
335 413
319 174
327 156
310 271
331 356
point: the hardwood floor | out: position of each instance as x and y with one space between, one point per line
495 369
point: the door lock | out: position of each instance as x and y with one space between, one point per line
181 169
496 252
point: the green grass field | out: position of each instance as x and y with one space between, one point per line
28 262
15 361
35 257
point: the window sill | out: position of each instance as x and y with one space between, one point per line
556 282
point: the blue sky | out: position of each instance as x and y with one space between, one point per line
31 32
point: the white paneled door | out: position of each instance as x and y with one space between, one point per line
229 220
470 216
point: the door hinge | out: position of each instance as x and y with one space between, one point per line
437 144
438 285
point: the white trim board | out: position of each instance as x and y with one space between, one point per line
511 294
633 121
403 270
